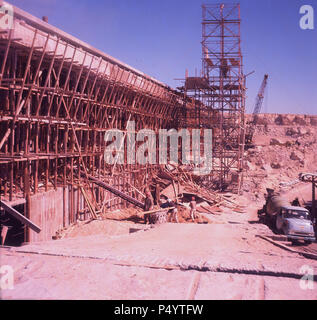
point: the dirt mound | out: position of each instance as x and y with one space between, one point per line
97 227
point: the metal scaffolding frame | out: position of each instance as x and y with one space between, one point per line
218 94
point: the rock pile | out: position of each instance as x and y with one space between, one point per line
283 149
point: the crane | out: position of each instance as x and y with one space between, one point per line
260 96
256 111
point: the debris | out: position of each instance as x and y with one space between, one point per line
141 214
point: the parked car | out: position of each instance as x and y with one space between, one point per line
295 223
281 216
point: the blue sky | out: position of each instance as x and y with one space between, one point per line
162 38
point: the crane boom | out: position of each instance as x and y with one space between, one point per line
260 96
257 108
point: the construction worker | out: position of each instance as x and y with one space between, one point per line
173 211
148 205
193 209
157 194
296 203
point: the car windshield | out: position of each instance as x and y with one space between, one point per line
297 214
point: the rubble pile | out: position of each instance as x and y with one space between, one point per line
183 187
283 147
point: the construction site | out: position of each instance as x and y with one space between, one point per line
75 226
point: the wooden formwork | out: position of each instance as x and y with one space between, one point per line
58 97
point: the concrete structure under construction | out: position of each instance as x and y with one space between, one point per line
58 96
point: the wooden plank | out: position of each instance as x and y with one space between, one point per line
4 232
140 214
19 216
4 139
91 209
115 191
137 190
105 202
175 193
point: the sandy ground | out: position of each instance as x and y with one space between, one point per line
48 277
161 263
225 259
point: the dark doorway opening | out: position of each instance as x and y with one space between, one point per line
12 230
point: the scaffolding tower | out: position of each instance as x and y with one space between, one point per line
219 93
